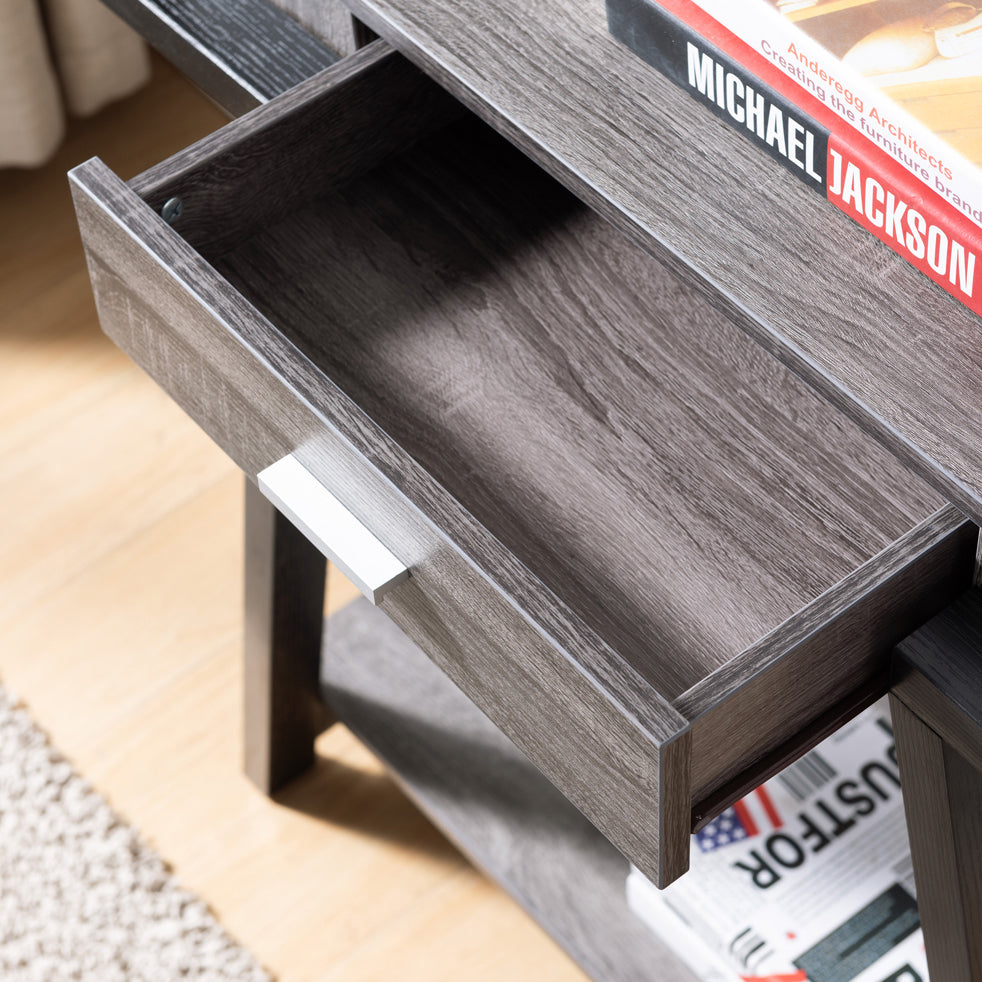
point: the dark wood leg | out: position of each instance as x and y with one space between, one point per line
937 713
284 611
942 798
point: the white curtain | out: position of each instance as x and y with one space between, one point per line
58 56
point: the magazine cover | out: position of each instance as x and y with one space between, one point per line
807 879
907 74
735 57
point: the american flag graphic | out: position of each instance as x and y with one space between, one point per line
748 817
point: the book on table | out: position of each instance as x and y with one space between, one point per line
875 104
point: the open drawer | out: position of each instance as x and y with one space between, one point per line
660 563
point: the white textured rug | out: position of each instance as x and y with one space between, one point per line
81 895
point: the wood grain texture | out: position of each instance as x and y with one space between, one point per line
284 602
737 725
938 675
489 799
241 54
607 428
121 627
875 337
329 20
597 447
259 409
325 132
965 795
943 805
937 706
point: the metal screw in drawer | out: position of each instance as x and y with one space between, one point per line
171 211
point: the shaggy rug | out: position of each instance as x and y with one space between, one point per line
81 895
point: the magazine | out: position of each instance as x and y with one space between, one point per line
906 74
808 879
802 127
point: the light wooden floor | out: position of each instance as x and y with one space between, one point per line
120 626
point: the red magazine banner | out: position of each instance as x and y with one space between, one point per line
861 180
795 977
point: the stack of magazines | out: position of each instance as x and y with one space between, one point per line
808 879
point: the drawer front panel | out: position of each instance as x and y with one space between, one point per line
607 740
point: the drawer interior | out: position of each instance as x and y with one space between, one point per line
648 552
671 482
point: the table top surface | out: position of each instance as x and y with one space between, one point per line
873 335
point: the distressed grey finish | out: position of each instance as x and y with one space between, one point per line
938 674
735 712
331 128
942 803
329 20
284 609
875 337
259 408
489 799
629 528
936 703
558 382
241 54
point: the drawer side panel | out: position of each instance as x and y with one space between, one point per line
330 129
614 750
839 649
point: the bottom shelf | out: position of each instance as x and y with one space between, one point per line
487 798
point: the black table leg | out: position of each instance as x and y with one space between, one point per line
284 600
936 703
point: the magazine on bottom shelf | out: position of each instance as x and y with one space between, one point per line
799 129
807 879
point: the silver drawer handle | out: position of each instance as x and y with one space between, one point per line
332 528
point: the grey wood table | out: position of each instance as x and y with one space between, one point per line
497 307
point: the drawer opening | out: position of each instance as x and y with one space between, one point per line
677 487
633 532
